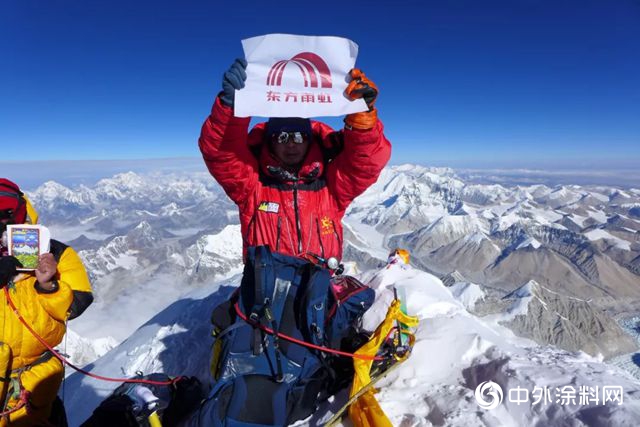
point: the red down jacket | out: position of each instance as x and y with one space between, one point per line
299 215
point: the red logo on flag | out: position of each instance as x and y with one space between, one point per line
315 71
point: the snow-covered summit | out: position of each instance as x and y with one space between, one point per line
454 353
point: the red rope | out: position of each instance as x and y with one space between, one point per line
24 398
23 402
82 371
304 343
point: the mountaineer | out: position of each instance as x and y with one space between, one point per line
278 337
58 290
293 178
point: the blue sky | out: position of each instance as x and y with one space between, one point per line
463 83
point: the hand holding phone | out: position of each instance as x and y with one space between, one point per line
47 267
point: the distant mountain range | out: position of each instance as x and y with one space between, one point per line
579 241
162 236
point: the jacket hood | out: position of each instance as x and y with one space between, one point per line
32 214
12 198
313 163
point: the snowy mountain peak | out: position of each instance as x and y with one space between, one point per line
144 225
170 209
123 180
120 186
421 170
529 289
52 192
227 243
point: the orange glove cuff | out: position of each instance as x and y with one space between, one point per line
363 121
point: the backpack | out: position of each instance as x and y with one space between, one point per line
263 379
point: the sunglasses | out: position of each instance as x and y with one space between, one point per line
284 137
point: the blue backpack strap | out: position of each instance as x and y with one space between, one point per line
259 310
257 280
314 303
282 383
264 280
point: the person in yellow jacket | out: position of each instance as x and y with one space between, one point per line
58 290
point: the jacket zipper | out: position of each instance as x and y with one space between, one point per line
278 234
309 235
286 223
245 238
337 236
295 208
320 238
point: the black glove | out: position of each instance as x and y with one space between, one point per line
113 411
8 265
232 80
187 395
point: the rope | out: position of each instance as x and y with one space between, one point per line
304 343
22 402
64 374
82 371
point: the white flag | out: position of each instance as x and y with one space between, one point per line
297 76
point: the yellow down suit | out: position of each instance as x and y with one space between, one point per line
27 361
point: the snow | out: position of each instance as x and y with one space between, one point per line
227 243
530 241
598 215
520 307
546 216
144 212
127 260
508 215
621 194
82 350
373 239
478 238
467 293
455 226
170 209
601 197
562 193
182 232
454 349
579 220
524 291
454 352
599 234
522 297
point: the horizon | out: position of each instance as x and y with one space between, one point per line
510 83
31 174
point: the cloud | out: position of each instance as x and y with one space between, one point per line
615 177
30 174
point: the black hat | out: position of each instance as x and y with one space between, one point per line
287 124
